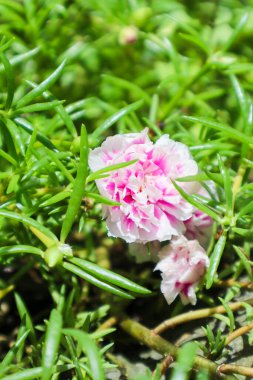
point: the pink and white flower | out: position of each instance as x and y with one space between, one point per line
199 227
151 208
183 263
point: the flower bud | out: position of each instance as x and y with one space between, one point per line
128 35
54 255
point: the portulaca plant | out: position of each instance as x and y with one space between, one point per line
151 209
126 128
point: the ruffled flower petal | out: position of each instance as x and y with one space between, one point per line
183 263
151 208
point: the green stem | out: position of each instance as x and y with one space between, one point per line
198 314
147 337
231 368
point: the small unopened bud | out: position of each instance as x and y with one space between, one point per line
54 255
128 35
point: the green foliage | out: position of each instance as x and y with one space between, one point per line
52 342
215 259
215 343
181 68
78 186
